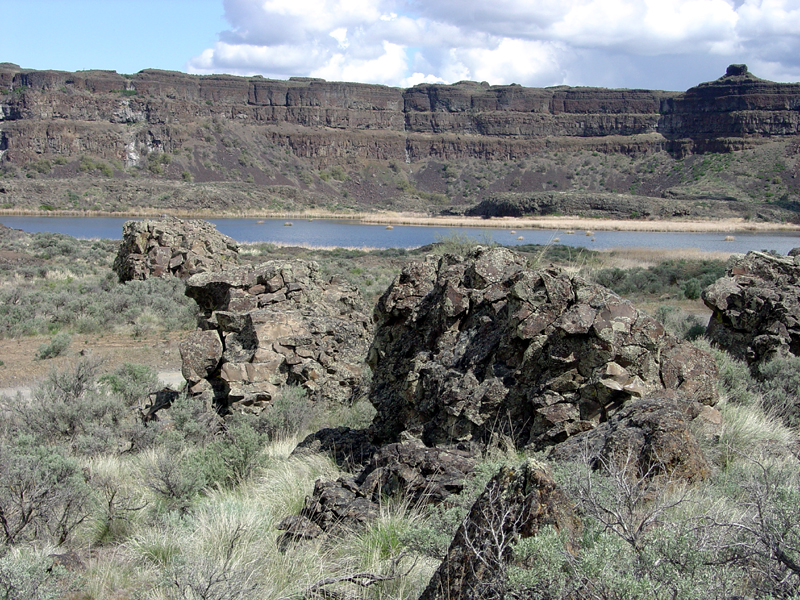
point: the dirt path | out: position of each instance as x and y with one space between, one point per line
20 369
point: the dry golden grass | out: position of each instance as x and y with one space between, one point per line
565 224
625 258
573 224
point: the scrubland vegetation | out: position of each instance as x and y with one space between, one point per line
97 505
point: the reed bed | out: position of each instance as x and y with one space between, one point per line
576 223
625 258
566 224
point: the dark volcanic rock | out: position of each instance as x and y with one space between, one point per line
409 469
515 504
468 348
278 323
648 437
351 449
172 247
756 307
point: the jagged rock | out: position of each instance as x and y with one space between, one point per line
650 437
408 469
465 348
756 307
515 504
276 324
201 352
172 247
350 448
297 529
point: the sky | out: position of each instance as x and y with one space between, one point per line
650 44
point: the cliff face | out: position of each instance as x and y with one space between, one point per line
430 142
720 115
114 116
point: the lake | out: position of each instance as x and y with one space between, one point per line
325 233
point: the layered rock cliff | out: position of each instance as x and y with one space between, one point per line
222 128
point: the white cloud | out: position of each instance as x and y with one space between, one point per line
667 44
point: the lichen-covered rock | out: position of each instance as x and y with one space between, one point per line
278 323
756 307
408 470
172 247
515 504
468 347
651 437
351 449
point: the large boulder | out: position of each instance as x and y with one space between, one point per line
470 347
516 503
172 247
651 438
756 307
275 324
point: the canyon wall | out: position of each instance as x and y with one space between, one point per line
120 117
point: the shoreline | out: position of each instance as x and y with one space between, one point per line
559 223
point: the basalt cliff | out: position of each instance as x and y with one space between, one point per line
171 140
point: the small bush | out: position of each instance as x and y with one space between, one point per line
780 385
132 382
42 492
27 574
55 347
290 412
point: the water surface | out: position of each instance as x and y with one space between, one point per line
337 233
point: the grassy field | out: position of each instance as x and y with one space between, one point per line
187 507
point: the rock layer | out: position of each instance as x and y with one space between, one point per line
172 247
61 113
470 347
275 324
756 307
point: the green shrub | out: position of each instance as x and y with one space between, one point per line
69 408
55 347
132 382
175 480
779 382
233 457
290 412
692 289
29 574
43 494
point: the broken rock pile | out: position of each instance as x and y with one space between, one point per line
756 307
172 247
275 324
470 347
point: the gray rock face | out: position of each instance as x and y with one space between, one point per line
276 324
515 504
409 469
172 247
756 307
649 437
469 347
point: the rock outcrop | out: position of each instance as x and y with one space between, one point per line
470 347
61 113
409 469
756 307
275 324
172 247
722 115
650 438
515 504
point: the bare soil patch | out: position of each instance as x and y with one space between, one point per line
21 369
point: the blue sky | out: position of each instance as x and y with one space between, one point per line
656 44
123 35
